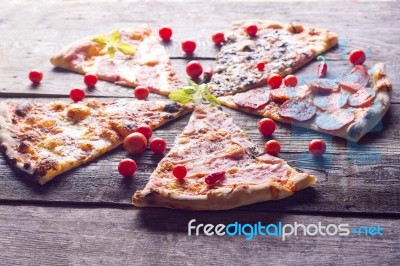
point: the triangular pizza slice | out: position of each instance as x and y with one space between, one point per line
224 169
43 140
280 48
349 106
129 57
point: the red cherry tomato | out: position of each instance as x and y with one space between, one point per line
290 81
208 73
158 145
261 66
317 147
165 33
272 147
35 76
90 80
77 94
145 130
274 81
135 143
218 38
357 57
141 92
188 46
251 30
127 167
266 126
179 171
194 69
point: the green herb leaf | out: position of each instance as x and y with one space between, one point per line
189 90
181 96
192 83
115 36
100 39
111 51
212 99
126 48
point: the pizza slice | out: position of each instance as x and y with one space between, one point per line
282 48
348 107
224 169
43 140
129 57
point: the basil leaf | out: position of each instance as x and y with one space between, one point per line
100 39
111 51
126 48
212 99
180 96
114 37
189 90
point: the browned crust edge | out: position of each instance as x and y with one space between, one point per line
225 198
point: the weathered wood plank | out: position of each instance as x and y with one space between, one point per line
74 236
38 34
362 178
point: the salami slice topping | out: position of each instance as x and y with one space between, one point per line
285 93
357 75
297 110
334 120
351 86
362 98
324 86
331 102
254 99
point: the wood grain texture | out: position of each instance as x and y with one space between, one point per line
38 33
125 236
352 178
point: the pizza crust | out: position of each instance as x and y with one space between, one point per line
224 198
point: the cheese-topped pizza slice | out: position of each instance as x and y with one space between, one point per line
282 48
224 169
129 57
43 140
348 107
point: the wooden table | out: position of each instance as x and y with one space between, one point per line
85 216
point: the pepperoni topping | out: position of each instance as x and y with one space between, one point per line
334 120
324 86
351 86
254 99
357 75
363 98
285 93
297 110
331 102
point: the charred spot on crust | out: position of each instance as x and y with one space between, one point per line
169 116
172 108
3 146
27 165
23 109
23 147
44 166
130 125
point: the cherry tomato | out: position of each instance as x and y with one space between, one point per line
208 73
141 92
158 145
266 126
290 81
317 147
261 66
35 76
77 94
188 46
272 147
194 69
135 143
357 57
179 171
127 167
90 80
274 81
218 38
165 33
251 30
145 130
